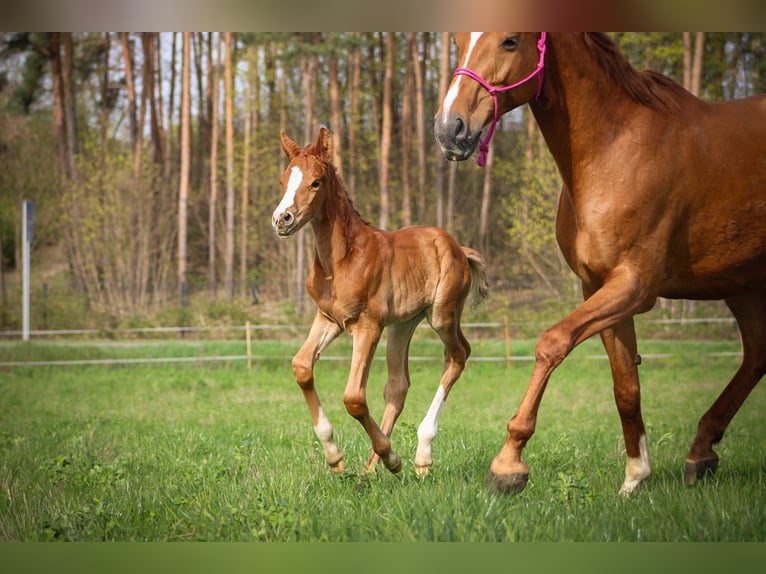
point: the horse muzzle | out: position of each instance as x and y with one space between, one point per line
284 224
455 138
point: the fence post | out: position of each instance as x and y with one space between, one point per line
507 342
249 347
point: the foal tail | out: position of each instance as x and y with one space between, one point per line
479 282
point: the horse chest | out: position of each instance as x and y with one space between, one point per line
340 301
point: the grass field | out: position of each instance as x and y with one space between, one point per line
214 451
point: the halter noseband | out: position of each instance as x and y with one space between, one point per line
493 91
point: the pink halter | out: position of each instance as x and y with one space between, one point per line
484 144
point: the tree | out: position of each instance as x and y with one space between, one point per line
183 190
213 201
385 131
229 96
693 61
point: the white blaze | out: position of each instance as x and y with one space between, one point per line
449 99
296 177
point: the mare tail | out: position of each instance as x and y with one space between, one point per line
479 282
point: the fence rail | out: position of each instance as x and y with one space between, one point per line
250 358
296 327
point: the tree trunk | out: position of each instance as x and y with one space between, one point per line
139 142
104 103
420 135
406 131
183 190
441 162
130 86
213 203
699 52
308 69
229 96
70 104
335 115
169 158
485 202
693 57
246 175
385 130
355 73
58 104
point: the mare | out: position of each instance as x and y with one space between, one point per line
663 195
363 280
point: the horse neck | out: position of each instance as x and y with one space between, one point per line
337 226
579 107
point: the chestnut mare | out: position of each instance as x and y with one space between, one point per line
664 195
363 280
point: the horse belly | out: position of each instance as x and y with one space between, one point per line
721 257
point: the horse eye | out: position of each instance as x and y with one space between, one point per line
315 183
511 42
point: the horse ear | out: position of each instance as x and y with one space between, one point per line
324 143
289 146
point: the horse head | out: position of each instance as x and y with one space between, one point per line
496 74
304 183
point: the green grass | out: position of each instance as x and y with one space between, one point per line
212 451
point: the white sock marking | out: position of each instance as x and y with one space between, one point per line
638 468
428 428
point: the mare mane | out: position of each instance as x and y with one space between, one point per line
645 87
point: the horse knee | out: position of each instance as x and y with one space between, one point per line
356 405
303 373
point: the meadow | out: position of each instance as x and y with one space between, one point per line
215 451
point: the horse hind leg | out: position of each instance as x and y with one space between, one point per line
456 353
750 313
398 382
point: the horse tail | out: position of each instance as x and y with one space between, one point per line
479 281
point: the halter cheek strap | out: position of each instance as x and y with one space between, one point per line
493 91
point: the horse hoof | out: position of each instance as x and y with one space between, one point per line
394 463
507 483
421 471
697 470
338 466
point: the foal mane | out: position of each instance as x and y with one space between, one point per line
646 87
350 217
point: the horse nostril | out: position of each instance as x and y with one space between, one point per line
459 127
287 218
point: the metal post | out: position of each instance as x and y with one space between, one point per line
26 241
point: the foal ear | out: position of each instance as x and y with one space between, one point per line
289 146
324 144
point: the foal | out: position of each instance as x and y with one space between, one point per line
363 280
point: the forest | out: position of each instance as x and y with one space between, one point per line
153 159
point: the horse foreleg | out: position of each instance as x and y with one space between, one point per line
456 352
621 296
750 312
366 336
323 332
398 383
620 345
